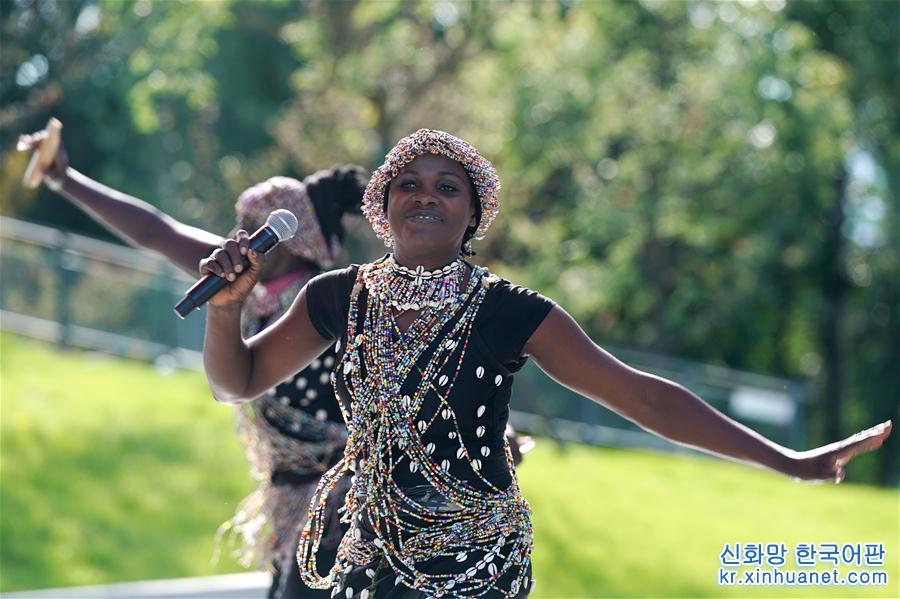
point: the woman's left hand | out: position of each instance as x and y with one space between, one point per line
827 463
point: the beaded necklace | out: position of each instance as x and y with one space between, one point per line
413 289
386 430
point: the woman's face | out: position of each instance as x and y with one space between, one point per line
430 205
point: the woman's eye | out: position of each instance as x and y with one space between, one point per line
448 187
406 184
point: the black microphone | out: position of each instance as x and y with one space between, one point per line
281 225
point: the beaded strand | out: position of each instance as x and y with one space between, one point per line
386 429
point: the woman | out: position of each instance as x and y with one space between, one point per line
429 346
294 432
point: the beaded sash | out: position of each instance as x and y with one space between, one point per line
453 521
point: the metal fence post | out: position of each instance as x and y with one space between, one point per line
64 285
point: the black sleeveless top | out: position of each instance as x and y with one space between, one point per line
480 396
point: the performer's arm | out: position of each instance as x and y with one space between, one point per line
131 218
562 349
239 370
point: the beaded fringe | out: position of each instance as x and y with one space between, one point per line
267 524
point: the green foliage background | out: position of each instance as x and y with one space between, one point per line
712 180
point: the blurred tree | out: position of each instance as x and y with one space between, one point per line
68 59
652 156
169 101
862 35
682 187
373 71
713 180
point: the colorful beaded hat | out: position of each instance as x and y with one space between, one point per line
257 202
428 141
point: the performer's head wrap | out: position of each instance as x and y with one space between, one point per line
481 173
318 202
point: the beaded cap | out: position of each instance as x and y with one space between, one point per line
429 141
257 202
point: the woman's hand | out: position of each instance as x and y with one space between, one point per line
227 262
55 173
827 463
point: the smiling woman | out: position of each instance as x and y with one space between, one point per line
428 346
432 202
430 208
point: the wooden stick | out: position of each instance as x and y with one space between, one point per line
43 157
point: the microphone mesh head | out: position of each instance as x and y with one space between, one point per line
283 222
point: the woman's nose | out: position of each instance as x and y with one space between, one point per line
424 198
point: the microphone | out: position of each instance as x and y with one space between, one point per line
281 225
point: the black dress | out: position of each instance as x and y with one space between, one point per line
292 434
470 446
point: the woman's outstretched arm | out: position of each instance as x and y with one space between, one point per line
562 349
240 370
131 218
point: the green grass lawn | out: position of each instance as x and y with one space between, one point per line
112 471
616 523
